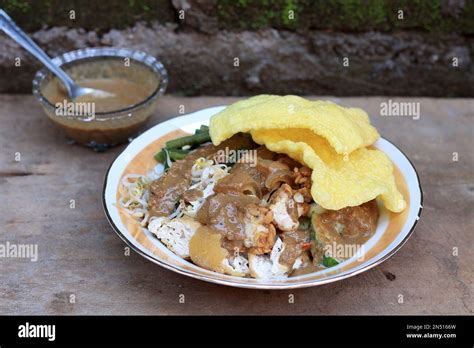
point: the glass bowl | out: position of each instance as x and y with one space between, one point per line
101 130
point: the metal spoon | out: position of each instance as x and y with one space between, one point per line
74 91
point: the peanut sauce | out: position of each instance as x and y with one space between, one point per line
98 119
225 213
125 93
166 191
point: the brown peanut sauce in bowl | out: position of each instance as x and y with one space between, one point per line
134 79
123 93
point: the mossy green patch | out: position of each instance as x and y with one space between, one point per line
100 15
346 15
296 15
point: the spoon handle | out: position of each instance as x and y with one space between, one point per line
12 30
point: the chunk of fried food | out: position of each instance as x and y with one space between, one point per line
175 234
205 250
338 180
272 266
259 231
268 266
285 210
346 129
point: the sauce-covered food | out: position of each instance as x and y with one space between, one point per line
249 213
131 87
275 187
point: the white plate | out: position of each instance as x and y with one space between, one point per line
392 231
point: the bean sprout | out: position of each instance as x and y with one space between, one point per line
204 175
134 201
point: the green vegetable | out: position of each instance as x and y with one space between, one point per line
176 154
160 156
202 129
174 151
329 261
312 229
305 223
316 245
195 139
167 161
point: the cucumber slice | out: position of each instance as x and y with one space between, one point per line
318 242
317 247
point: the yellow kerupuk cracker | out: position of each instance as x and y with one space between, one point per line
346 129
338 180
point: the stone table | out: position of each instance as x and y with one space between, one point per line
82 267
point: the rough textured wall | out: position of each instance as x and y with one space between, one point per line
300 53
212 15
